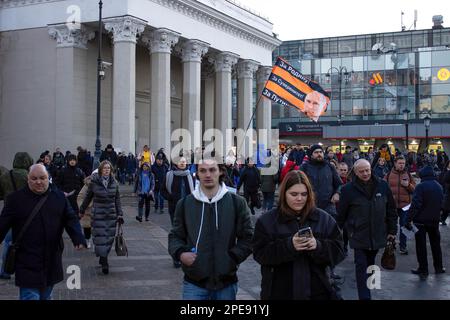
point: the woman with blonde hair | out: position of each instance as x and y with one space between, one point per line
295 244
106 210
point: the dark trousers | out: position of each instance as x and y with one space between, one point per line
87 233
159 200
252 196
269 198
144 199
402 219
435 244
363 259
444 215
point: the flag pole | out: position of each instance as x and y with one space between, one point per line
250 122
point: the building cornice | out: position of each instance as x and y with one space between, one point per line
4 4
220 21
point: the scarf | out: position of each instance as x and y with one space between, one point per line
105 181
178 173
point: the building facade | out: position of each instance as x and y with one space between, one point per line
373 81
172 63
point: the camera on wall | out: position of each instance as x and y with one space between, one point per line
103 66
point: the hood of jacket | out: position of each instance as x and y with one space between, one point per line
200 196
22 160
427 173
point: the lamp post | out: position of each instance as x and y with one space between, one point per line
100 76
342 73
426 122
405 117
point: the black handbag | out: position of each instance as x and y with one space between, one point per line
388 261
120 245
10 260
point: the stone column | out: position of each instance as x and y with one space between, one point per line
71 77
160 43
223 62
245 70
124 30
209 102
264 108
192 52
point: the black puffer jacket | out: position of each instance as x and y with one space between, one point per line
427 199
71 178
106 208
368 218
290 274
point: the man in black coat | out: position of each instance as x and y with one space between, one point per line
367 209
425 214
39 256
251 178
159 170
110 155
70 181
324 179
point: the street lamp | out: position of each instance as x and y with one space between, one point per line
426 122
100 76
342 73
405 117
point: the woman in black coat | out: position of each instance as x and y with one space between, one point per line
295 267
106 210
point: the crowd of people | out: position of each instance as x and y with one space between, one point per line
344 201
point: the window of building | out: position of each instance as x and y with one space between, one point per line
402 61
419 39
425 76
411 60
376 62
358 64
336 63
440 75
440 58
347 45
306 66
425 59
391 105
361 43
347 107
325 65
440 89
390 78
403 41
445 37
424 90
357 79
425 104
389 61
358 107
441 104
316 65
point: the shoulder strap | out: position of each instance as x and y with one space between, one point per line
30 218
12 180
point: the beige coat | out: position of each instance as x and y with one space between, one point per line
86 219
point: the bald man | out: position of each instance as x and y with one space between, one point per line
367 209
39 253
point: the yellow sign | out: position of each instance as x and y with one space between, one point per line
443 74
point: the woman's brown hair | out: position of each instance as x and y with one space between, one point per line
102 164
292 178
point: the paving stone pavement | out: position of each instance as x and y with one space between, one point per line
147 273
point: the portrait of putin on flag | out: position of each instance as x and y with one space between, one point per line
288 87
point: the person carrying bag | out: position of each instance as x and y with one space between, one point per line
10 261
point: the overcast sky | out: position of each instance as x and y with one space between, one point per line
297 19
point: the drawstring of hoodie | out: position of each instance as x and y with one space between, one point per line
217 218
201 226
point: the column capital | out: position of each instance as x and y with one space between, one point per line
246 68
263 74
224 61
161 40
193 50
70 37
125 29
